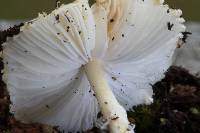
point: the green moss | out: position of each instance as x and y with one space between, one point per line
7 131
194 110
144 116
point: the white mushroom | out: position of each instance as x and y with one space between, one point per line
63 64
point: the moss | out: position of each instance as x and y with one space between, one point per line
144 116
7 131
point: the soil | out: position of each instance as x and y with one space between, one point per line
176 107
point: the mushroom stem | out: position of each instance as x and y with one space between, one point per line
112 111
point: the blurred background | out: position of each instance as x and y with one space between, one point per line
27 9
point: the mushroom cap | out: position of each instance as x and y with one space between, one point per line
43 63
142 41
42 69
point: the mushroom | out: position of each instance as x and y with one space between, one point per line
66 67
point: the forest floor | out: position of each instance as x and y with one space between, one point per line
176 107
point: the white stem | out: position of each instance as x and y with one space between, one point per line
112 111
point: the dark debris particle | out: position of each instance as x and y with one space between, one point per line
168 11
115 118
47 106
185 36
114 78
123 35
57 17
128 129
68 19
112 20
113 38
99 115
67 28
169 26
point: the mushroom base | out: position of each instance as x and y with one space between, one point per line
112 111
